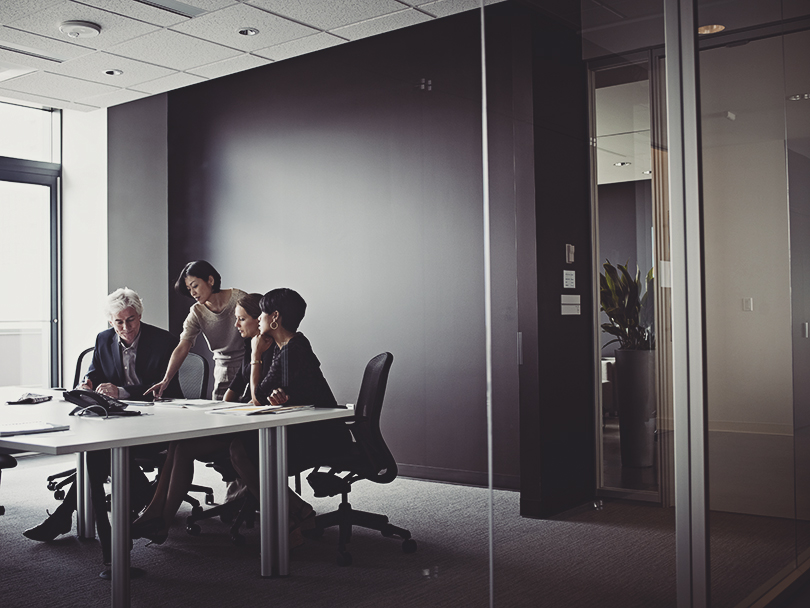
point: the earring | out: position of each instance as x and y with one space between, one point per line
273 325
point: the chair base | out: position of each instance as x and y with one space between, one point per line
236 512
346 518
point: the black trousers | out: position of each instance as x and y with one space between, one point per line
98 470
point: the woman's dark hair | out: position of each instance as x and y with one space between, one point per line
289 304
200 269
250 302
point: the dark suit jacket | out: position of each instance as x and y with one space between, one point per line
154 351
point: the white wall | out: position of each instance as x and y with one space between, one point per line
84 233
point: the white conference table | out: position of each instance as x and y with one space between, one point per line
165 424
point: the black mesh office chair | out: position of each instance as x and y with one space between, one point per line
370 459
7 461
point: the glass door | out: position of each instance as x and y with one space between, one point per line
27 312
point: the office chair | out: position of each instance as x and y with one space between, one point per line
369 459
193 376
7 461
60 480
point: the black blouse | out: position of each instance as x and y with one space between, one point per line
296 370
241 381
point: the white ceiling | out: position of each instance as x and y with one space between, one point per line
157 49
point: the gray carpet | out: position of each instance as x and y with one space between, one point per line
621 556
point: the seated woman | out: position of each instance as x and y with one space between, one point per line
294 377
178 470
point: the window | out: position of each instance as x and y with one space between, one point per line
29 246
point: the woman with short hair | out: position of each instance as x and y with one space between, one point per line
211 315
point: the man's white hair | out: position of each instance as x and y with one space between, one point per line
123 298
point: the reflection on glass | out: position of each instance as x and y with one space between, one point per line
25 315
748 219
625 210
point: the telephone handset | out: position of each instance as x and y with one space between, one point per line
93 403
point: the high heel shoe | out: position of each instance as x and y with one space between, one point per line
153 529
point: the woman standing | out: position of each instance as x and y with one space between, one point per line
212 316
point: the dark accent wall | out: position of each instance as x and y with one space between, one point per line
340 175
557 430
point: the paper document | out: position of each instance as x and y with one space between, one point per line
29 428
189 403
254 410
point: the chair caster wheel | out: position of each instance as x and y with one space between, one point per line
2 510
238 539
409 545
51 486
209 499
196 510
193 529
344 558
59 495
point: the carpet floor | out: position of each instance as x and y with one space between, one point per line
622 555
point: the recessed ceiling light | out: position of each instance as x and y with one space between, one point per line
80 29
248 31
710 29
647 172
622 164
799 96
113 72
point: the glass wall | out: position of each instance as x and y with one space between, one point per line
754 118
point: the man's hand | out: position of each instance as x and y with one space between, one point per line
108 389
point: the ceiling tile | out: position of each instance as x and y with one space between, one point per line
328 14
26 60
115 98
40 45
300 47
41 100
56 86
168 83
173 50
11 10
382 24
136 10
230 66
153 14
92 67
222 27
114 28
9 70
443 8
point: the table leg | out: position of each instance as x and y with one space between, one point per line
273 502
85 524
120 527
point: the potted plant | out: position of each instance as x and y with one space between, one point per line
628 304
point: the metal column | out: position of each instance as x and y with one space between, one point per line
683 124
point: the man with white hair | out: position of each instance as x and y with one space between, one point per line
128 358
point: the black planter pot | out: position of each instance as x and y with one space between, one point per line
635 387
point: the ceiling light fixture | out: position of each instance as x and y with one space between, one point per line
710 29
114 72
248 31
622 164
647 172
799 96
80 29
